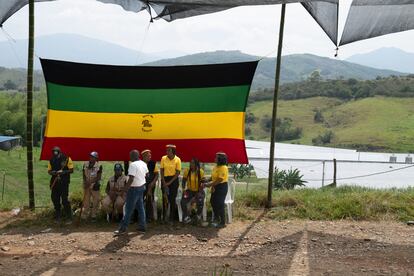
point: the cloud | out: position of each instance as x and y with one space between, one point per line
253 30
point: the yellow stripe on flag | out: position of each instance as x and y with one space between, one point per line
145 126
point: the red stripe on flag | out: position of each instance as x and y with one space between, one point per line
118 149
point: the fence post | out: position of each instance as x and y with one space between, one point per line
334 176
323 173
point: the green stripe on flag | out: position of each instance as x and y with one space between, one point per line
85 99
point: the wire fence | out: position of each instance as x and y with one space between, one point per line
318 173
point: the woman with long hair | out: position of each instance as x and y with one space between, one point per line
193 190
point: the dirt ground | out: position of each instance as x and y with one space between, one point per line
259 247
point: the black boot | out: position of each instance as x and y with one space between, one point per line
57 216
68 214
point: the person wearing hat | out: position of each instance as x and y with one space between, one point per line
219 187
92 173
150 181
60 167
170 170
115 191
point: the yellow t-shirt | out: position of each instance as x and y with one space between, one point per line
170 166
192 180
70 165
220 172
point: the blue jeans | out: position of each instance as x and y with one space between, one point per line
134 200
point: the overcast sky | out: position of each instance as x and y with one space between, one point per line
252 30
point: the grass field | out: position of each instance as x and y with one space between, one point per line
316 204
371 123
16 191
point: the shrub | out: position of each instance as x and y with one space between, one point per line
318 117
323 139
287 180
240 171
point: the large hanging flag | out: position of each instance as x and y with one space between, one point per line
114 109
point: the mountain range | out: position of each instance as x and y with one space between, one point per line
296 67
78 48
386 58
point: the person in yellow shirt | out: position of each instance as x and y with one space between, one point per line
219 187
170 170
60 167
193 190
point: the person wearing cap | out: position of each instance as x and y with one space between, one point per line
135 194
170 170
60 167
115 190
193 190
92 173
150 181
219 187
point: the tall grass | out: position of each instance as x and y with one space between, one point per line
347 202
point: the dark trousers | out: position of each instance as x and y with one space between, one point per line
149 212
217 201
169 194
197 197
60 194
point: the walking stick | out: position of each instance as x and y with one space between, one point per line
54 182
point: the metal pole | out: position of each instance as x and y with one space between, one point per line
323 173
334 176
29 117
274 112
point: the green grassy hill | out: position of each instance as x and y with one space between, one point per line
377 123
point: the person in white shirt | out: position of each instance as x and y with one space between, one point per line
134 200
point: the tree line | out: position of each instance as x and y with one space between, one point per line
315 86
13 114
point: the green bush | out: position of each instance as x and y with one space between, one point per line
323 139
287 180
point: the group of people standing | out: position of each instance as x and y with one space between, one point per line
135 189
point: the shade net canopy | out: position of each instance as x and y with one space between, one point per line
10 7
372 18
325 12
